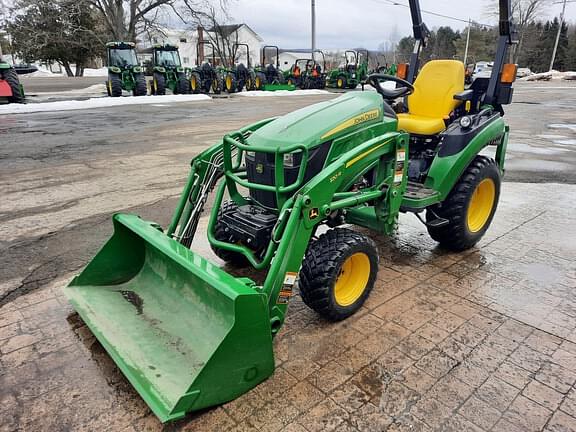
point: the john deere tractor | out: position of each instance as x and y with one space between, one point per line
124 71
239 75
11 91
189 335
354 71
205 76
269 75
294 76
314 76
168 71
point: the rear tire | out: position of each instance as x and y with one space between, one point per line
11 77
230 83
140 89
338 273
159 84
114 85
217 85
470 206
233 258
260 81
195 83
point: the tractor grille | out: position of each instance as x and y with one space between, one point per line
260 169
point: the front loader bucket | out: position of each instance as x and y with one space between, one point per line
184 332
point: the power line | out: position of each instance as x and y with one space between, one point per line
395 3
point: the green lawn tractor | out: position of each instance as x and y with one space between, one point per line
270 74
354 72
124 71
239 75
294 76
168 71
205 77
11 91
189 335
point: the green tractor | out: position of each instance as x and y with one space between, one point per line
168 71
239 75
314 76
189 335
124 70
206 77
294 76
270 74
11 91
354 71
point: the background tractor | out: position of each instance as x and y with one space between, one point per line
239 75
270 73
11 91
124 71
189 335
314 75
205 77
294 76
354 71
168 71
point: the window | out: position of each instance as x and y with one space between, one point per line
155 40
183 40
185 60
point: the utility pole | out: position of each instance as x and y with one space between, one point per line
467 41
558 35
313 27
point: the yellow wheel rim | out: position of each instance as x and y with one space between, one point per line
352 280
193 83
481 204
258 81
228 82
340 83
110 86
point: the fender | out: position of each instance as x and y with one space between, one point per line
446 170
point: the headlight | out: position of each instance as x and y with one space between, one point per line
137 69
179 69
289 160
465 122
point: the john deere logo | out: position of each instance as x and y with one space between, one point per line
313 213
259 168
372 115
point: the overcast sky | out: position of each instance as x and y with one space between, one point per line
355 23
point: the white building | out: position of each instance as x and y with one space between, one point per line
187 41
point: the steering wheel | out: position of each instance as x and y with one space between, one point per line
405 88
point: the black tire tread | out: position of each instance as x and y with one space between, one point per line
11 77
454 235
321 266
116 85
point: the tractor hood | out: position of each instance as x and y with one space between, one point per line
321 122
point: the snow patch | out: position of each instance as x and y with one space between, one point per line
42 72
104 102
551 75
283 93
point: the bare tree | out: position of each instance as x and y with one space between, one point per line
126 19
524 12
212 16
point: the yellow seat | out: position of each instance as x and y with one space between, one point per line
433 97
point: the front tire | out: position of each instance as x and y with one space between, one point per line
338 273
469 208
195 83
260 81
140 89
230 83
341 82
114 85
182 85
159 84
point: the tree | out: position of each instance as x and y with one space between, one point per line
482 45
212 16
571 51
524 12
445 43
127 19
55 30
